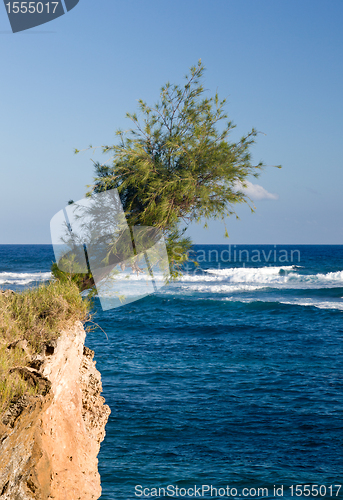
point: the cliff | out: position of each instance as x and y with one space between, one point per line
49 442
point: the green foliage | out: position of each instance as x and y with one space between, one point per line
176 165
83 281
36 316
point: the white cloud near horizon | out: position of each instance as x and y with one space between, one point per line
257 192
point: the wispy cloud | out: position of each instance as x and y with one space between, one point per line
256 192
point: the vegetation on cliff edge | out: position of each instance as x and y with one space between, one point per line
28 321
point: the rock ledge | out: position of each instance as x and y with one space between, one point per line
49 443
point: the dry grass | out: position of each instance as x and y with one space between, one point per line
36 316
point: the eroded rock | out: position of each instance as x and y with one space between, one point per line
49 443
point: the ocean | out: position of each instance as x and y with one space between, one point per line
225 384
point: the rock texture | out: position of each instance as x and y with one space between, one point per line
49 443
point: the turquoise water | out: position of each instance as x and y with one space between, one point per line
231 377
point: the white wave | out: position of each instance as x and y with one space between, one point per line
337 276
220 288
319 305
270 270
274 277
295 302
7 278
252 274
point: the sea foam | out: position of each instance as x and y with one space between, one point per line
7 278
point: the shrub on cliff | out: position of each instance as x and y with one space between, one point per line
177 165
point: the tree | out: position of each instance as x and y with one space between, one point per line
176 165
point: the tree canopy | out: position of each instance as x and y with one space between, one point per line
176 164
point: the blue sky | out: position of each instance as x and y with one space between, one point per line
69 83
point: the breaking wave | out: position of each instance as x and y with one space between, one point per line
217 280
7 278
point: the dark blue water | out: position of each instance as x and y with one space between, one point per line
232 377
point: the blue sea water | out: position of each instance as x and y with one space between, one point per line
231 378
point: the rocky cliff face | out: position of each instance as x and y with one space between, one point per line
49 443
